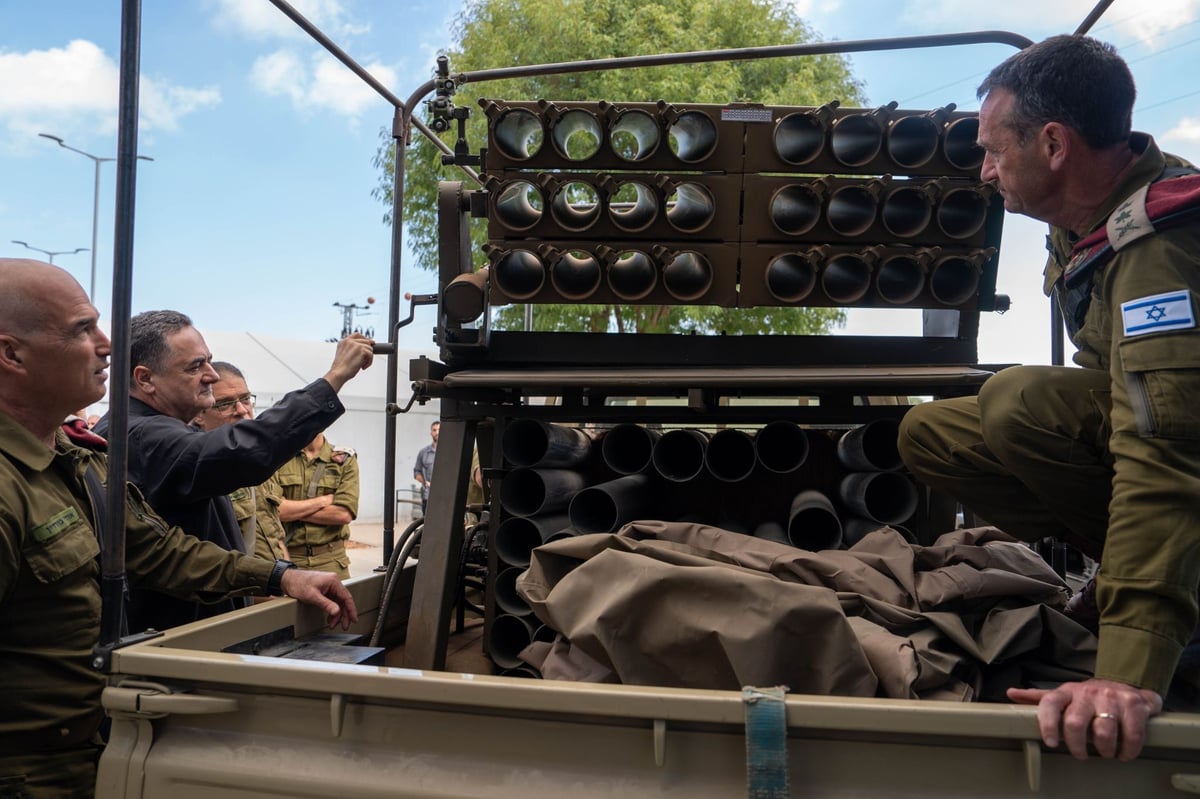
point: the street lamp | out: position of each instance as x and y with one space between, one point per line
50 253
95 200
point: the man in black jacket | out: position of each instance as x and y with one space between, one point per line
186 474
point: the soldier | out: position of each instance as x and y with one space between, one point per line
256 507
320 499
1105 456
53 359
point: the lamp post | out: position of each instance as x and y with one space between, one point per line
50 253
97 160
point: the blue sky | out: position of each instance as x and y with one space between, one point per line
256 213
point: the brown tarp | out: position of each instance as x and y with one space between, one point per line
678 604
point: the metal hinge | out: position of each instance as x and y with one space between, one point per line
153 700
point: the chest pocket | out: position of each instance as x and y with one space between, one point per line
60 545
329 480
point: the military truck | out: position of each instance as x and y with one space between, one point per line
265 702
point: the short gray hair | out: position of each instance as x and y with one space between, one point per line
1075 80
148 333
226 369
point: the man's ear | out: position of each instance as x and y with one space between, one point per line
1057 142
143 381
11 354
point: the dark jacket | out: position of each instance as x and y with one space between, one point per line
186 475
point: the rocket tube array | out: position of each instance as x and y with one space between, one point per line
735 205
812 489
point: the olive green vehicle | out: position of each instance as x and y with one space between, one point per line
265 702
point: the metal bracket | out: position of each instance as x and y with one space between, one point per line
1033 765
102 654
660 742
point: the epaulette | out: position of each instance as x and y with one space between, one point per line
79 434
342 454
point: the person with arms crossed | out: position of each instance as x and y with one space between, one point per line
53 359
319 500
1107 456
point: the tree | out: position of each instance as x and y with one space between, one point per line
498 33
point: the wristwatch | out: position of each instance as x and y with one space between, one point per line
275 581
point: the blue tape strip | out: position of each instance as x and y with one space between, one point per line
766 742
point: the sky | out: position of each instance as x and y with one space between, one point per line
256 213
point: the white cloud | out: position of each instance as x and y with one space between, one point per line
1117 24
808 8
1161 16
262 20
1187 130
1015 15
72 91
321 83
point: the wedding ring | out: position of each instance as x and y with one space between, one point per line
1112 716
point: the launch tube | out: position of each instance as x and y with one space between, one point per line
812 522
885 497
871 447
628 448
532 442
606 507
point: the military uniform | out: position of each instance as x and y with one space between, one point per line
1107 455
334 471
257 512
50 605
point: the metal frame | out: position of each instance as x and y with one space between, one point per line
460 433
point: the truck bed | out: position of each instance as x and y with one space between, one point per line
192 721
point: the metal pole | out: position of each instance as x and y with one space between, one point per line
95 228
112 581
97 160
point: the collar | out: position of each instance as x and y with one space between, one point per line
24 447
326 453
1148 165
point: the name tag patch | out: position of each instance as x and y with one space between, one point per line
1161 312
58 524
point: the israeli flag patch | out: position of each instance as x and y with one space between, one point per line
1161 312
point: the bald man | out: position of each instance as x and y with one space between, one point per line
53 360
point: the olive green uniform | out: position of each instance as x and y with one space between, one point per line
257 512
1106 455
334 471
50 604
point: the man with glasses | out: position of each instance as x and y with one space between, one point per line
187 474
320 499
256 507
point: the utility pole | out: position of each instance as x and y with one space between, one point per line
348 310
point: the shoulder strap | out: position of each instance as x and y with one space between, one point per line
99 501
315 482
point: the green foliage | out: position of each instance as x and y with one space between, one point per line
504 33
